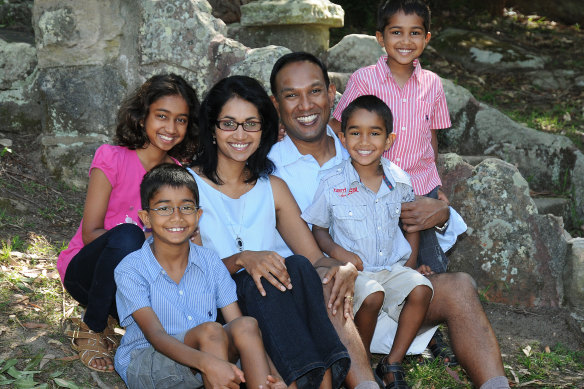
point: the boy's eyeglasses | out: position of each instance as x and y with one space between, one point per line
232 125
167 211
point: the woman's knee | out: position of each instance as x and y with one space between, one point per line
126 237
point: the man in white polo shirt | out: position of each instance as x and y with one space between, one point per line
303 96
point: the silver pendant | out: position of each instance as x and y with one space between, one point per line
239 243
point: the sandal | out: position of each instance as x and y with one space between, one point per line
441 350
110 333
399 377
95 347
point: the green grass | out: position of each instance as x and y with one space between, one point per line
549 364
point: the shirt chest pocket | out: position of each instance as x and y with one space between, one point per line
393 213
351 220
423 118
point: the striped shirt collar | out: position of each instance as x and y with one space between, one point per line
384 72
154 268
352 176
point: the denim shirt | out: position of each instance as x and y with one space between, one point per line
361 221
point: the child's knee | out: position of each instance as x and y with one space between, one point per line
244 327
421 294
373 302
206 334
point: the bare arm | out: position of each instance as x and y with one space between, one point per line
98 194
328 245
424 213
217 371
298 237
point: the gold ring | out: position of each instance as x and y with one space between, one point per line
350 298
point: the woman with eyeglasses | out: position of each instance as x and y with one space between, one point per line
243 206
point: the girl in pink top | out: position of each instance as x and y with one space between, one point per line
156 124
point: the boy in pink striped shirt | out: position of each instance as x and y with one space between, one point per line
416 99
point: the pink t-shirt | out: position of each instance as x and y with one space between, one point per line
124 171
417 108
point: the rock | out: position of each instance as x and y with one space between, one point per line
552 80
558 206
17 63
574 274
300 25
20 111
482 53
5 142
339 80
353 52
227 10
566 11
258 63
515 255
550 162
16 15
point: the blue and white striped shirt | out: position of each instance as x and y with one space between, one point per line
361 221
205 286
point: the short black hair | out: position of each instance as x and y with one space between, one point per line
134 110
299 56
372 104
388 8
249 90
166 174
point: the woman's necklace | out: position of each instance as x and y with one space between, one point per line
237 235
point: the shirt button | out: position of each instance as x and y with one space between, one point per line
397 159
376 201
380 253
339 169
403 128
397 210
379 227
350 213
163 272
404 100
190 317
180 292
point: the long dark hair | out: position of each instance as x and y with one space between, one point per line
249 90
134 110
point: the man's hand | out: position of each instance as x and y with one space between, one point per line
267 264
424 213
343 288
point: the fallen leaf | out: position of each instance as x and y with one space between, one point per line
547 349
45 360
527 351
71 358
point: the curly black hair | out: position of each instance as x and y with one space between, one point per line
135 108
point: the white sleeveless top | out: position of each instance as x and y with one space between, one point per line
252 217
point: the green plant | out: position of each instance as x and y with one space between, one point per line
5 149
10 375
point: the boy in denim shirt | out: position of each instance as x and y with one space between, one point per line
355 218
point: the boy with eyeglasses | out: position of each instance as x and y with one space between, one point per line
167 297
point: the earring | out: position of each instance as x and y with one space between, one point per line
214 140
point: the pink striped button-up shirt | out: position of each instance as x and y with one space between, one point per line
417 108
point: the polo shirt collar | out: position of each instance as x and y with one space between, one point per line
153 267
384 72
288 152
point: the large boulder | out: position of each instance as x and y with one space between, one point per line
516 255
574 275
91 55
550 162
353 52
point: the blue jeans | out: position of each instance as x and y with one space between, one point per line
89 278
430 253
296 330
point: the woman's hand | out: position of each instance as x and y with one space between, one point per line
343 288
267 264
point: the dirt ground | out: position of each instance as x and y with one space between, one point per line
33 204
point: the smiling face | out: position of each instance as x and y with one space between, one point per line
237 145
303 100
166 123
177 228
404 39
365 138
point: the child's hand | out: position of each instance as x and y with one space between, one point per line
355 260
442 196
222 374
274 382
425 270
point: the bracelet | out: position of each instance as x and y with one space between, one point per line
442 229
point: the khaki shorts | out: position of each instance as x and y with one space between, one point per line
395 284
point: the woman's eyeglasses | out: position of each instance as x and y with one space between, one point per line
232 125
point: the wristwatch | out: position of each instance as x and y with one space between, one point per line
442 229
